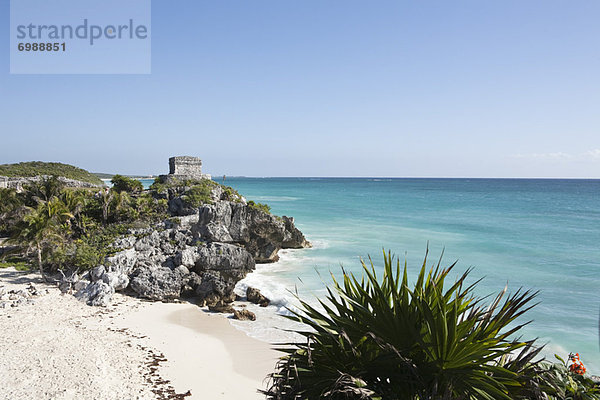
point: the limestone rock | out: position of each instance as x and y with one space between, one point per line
214 288
255 296
96 273
224 257
221 307
156 282
197 252
77 286
244 315
178 206
118 281
123 261
220 266
96 293
261 233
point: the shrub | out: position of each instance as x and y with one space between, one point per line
231 194
158 186
259 206
379 339
88 256
198 195
124 184
564 381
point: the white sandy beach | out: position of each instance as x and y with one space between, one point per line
60 348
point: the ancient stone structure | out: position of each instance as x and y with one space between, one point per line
185 167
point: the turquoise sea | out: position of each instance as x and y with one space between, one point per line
540 234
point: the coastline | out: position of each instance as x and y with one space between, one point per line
57 347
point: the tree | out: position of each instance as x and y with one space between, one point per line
74 203
8 200
124 184
43 190
42 229
11 209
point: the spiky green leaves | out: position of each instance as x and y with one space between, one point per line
377 337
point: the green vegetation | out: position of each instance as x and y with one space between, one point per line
565 383
15 262
259 206
11 209
198 195
124 184
61 228
37 168
200 190
158 186
42 230
54 227
230 193
103 175
379 339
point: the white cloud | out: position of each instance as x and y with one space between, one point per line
548 156
559 155
593 153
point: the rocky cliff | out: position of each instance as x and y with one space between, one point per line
201 251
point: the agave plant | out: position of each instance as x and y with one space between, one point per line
377 338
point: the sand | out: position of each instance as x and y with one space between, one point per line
60 348
206 354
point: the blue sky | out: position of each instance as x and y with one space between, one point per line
330 88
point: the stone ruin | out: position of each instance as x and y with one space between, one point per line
183 168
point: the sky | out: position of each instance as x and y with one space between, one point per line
330 88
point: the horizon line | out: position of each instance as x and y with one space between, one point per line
219 177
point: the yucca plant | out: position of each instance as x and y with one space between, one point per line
381 339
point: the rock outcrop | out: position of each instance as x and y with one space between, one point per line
244 315
255 296
200 252
261 233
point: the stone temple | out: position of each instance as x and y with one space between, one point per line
185 167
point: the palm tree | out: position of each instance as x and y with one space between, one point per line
74 202
10 205
44 190
42 228
121 205
8 200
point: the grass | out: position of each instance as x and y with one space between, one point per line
37 168
17 263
